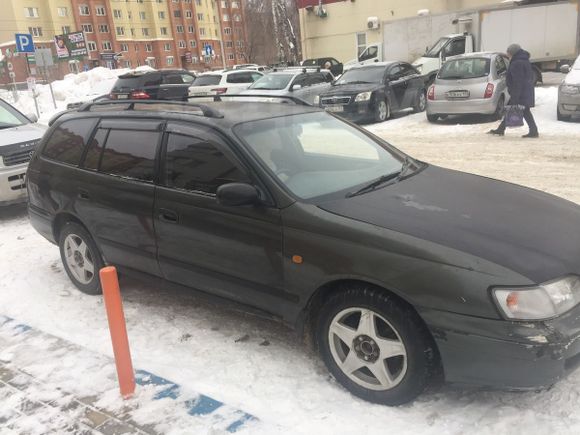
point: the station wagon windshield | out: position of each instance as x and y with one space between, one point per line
315 154
10 117
465 68
272 82
371 74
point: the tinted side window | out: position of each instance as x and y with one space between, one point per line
455 47
172 79
67 142
196 164
152 80
315 79
500 65
407 70
130 153
239 78
395 73
95 148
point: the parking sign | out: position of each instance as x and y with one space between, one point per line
24 43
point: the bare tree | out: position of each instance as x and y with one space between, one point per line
273 29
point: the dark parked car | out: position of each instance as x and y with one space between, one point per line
336 68
374 92
397 269
154 85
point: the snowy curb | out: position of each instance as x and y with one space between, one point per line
183 404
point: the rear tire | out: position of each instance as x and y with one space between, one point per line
382 111
81 258
375 345
432 118
420 102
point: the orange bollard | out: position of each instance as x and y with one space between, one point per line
118 328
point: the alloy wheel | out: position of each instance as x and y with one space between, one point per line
367 348
79 259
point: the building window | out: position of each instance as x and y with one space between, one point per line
198 2
161 15
31 12
229 44
179 29
237 18
202 31
142 15
65 29
361 43
199 17
167 46
226 17
235 5
240 56
62 12
193 43
127 64
231 57
35 31
84 10
169 60
100 11
240 44
103 28
120 31
145 31
148 48
224 4
163 30
136 48
132 32
87 28
125 47
117 13
188 14
106 45
227 30
182 44
177 14
190 29
129 15
92 46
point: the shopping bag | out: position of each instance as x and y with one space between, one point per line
514 116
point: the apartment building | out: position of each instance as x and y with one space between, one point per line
340 28
129 33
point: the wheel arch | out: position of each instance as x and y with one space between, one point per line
61 219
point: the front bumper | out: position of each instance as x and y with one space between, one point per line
569 104
503 354
462 107
13 184
356 111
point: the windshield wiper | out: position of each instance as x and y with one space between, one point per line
397 176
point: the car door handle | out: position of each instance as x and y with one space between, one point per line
168 216
83 194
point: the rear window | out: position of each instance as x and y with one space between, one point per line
243 77
465 68
208 80
129 82
67 142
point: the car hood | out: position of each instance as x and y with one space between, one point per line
351 89
20 135
530 232
573 77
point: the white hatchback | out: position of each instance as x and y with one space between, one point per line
220 83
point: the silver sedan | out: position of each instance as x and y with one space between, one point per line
474 83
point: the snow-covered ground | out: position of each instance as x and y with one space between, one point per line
259 366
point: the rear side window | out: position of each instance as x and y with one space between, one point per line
67 142
196 164
207 80
126 153
243 77
172 79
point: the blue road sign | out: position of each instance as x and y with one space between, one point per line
24 43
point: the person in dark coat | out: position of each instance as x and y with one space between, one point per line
520 83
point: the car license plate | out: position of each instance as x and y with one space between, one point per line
335 108
199 94
122 96
458 94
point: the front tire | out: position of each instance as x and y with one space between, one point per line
421 102
382 110
375 345
81 258
432 118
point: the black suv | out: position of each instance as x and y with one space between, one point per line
155 85
395 268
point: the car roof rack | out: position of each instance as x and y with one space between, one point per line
269 97
205 110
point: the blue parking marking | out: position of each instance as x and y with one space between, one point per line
202 405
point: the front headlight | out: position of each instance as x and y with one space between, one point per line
317 100
538 303
570 89
363 96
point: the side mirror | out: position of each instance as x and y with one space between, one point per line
32 117
296 87
565 69
237 194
